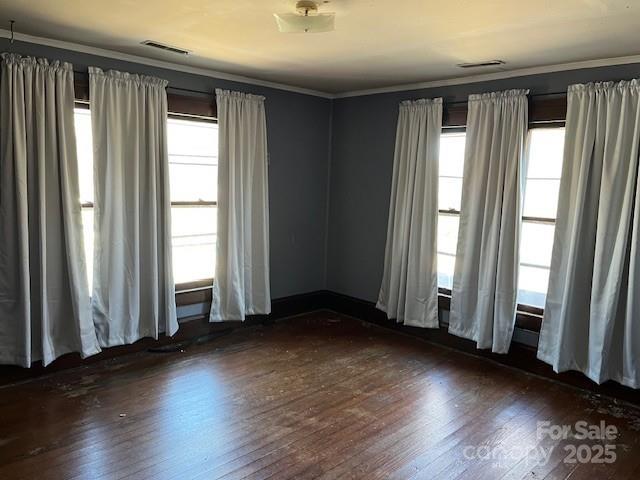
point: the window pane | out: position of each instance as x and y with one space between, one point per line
532 286
194 240
545 150
187 221
448 233
544 155
451 164
536 243
193 182
84 143
535 258
449 193
193 174
446 264
192 138
194 261
452 154
84 146
87 234
447 242
544 158
541 198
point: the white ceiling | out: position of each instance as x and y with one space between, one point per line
377 43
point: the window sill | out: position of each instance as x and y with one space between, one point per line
527 317
195 285
191 293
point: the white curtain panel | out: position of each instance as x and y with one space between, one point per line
409 290
133 289
483 302
592 314
44 299
241 283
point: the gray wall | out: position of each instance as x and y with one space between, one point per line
363 136
330 168
298 135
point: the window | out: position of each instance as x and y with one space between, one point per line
544 157
544 154
84 143
193 177
193 174
451 163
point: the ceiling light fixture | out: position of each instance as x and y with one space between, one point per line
306 20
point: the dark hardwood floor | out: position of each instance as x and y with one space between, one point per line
317 396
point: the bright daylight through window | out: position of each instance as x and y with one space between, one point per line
544 157
193 174
193 167
451 165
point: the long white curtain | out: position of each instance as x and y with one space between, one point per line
44 299
133 289
483 302
592 313
409 290
241 283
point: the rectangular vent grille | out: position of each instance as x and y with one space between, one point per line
166 48
488 63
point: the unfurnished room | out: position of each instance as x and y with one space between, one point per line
333 239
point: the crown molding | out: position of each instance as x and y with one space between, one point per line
76 47
522 72
101 52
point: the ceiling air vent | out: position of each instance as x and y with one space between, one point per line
488 63
166 48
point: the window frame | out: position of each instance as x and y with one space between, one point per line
205 283
545 111
523 307
192 105
454 115
83 104
455 118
